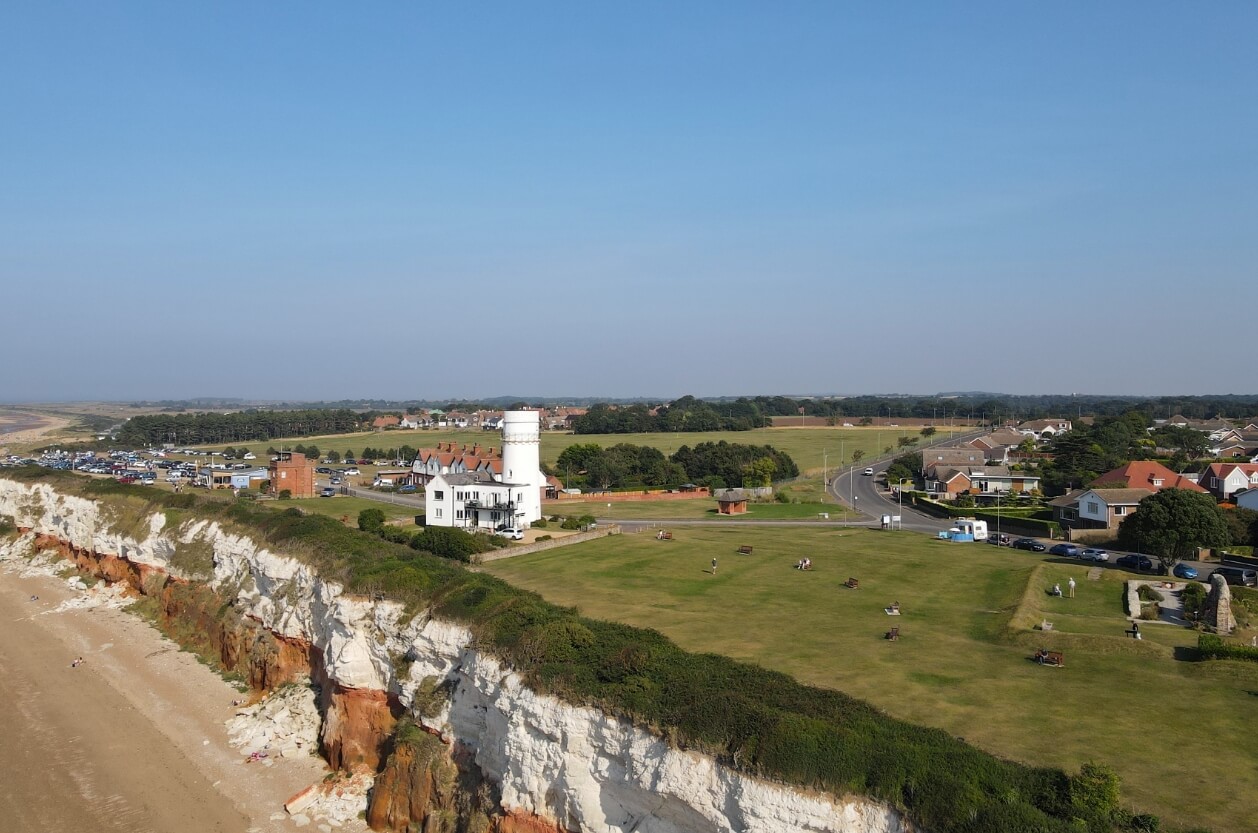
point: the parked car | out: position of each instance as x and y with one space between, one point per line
1140 563
1068 550
512 532
1091 554
1237 575
328 491
1029 544
1184 571
336 481
352 472
406 490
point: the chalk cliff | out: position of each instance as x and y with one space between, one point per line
543 763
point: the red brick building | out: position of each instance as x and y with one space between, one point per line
291 470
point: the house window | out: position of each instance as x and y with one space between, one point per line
1094 507
1157 482
438 496
1120 510
1214 482
438 511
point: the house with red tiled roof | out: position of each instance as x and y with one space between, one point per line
1224 479
1107 508
1146 474
382 422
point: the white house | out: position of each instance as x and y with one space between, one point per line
508 492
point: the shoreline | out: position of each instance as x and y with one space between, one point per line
132 740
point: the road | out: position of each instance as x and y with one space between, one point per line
861 492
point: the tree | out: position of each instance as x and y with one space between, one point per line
759 472
857 455
1172 524
867 421
905 442
312 451
928 431
334 456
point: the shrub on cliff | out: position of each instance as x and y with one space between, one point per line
371 520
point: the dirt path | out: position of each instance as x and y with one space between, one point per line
132 740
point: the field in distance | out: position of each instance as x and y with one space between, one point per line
962 662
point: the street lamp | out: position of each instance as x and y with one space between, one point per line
825 481
899 489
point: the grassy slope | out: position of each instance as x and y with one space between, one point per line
957 666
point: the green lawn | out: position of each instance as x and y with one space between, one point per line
810 448
696 509
343 506
962 660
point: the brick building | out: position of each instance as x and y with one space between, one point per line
291 470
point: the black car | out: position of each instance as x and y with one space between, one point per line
1029 544
1141 563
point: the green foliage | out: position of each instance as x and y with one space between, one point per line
1172 524
1193 597
540 523
1145 823
1149 594
286 494
209 428
453 543
1094 792
905 467
570 523
1210 646
371 520
1241 525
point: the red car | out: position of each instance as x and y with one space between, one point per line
126 479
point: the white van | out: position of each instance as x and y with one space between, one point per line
969 526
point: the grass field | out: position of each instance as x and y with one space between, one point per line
810 448
696 509
1180 733
343 506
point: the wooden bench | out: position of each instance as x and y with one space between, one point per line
853 583
1053 658
744 550
664 536
893 634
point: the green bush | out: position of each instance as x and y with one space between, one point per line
1149 594
540 523
1210 646
544 538
570 523
371 520
1193 597
1145 823
286 494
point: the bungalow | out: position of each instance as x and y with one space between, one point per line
954 456
1225 479
1066 508
382 422
996 445
1107 508
1044 429
410 421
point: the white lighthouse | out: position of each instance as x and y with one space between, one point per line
522 461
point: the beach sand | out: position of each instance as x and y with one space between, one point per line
131 740
19 429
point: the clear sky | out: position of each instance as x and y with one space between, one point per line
327 200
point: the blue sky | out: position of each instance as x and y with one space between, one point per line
656 199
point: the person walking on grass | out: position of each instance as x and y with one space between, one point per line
713 566
1071 585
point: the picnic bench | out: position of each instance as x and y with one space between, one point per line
852 583
664 535
744 550
893 634
1053 658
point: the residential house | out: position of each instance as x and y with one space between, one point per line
410 421
1044 429
1146 474
1066 508
997 444
1225 479
1247 499
474 500
1107 508
954 456
980 480
382 422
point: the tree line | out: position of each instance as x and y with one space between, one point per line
716 465
208 428
745 413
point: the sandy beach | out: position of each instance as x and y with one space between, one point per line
131 740
21 428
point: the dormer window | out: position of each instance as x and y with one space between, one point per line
1157 482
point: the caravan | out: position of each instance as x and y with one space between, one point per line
977 530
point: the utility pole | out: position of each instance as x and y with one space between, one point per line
825 479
